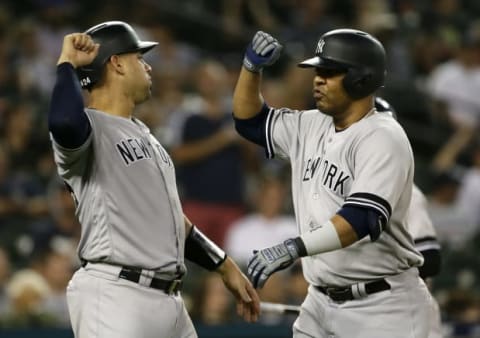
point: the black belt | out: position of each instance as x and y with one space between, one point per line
356 291
167 286
133 275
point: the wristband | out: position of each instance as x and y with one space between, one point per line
201 250
322 239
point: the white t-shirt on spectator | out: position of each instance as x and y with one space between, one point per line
255 232
459 87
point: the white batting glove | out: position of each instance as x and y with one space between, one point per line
266 261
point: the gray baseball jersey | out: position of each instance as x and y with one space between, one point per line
419 223
424 235
124 184
370 164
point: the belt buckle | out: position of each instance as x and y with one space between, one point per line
174 286
338 295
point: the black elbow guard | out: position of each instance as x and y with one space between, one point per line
202 251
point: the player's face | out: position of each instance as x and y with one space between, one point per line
328 92
139 80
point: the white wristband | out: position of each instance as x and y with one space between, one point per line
322 239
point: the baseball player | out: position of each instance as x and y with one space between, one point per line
352 175
421 229
134 235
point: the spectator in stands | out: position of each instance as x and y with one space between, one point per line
266 225
26 291
454 87
7 203
462 311
5 269
452 227
209 156
56 268
468 200
61 222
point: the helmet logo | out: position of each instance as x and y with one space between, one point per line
320 45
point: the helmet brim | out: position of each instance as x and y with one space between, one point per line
145 46
318 62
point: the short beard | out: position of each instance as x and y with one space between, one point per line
335 111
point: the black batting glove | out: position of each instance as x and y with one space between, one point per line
266 261
263 51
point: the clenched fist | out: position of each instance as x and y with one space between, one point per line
264 50
78 49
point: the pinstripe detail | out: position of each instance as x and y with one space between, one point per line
268 134
425 239
427 243
371 201
428 246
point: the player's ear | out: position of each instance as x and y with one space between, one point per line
117 63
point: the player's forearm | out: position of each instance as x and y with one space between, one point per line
201 250
333 235
67 120
247 100
188 225
345 231
226 265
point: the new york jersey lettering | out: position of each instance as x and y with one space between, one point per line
331 177
132 150
311 167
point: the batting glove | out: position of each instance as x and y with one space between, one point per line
265 262
263 51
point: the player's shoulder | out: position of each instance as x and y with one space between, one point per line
99 115
306 113
309 117
382 129
111 119
381 123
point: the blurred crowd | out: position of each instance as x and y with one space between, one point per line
227 187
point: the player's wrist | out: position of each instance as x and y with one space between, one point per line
296 247
201 250
250 65
225 266
62 60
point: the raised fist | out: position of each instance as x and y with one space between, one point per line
79 49
263 51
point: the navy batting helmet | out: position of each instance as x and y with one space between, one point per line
114 37
359 54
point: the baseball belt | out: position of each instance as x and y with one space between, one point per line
355 291
167 286
134 275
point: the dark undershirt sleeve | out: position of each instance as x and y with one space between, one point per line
431 264
67 120
253 129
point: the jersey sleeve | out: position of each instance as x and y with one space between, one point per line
73 162
419 224
383 167
418 220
